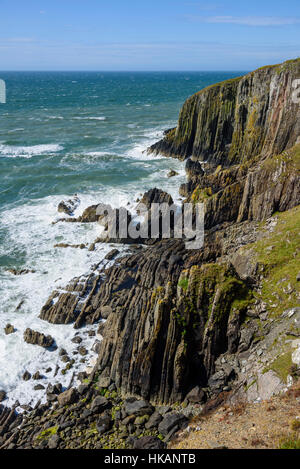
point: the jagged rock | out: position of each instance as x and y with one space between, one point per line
172 422
37 375
21 271
68 397
54 388
148 442
9 329
112 254
193 169
68 206
156 196
246 339
37 338
172 173
2 396
26 376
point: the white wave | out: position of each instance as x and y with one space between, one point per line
11 151
30 231
90 118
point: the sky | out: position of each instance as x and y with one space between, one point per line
147 35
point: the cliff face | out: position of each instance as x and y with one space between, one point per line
233 121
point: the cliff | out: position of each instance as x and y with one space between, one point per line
233 121
203 326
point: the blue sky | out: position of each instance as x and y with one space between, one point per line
147 34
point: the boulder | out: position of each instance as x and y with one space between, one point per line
37 338
2 396
53 442
154 421
9 329
68 397
148 442
196 395
104 424
26 376
99 404
171 422
136 407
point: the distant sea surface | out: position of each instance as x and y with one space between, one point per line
61 134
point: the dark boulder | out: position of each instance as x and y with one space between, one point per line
148 442
172 421
137 407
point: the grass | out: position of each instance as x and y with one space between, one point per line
282 365
289 442
279 259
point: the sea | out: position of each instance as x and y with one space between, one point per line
66 133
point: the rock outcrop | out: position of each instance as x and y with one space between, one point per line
233 121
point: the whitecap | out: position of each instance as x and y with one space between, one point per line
11 151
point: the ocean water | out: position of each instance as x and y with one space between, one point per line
61 134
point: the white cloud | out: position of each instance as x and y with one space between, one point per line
247 20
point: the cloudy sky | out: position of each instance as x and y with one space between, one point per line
147 34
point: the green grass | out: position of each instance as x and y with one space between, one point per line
279 257
290 442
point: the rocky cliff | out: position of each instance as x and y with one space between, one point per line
233 121
221 321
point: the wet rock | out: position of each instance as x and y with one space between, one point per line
37 338
148 442
39 387
2 396
68 206
68 397
82 351
9 329
172 173
26 376
54 388
76 340
37 376
171 422
21 271
193 169
112 254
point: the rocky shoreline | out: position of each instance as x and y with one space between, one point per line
183 331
